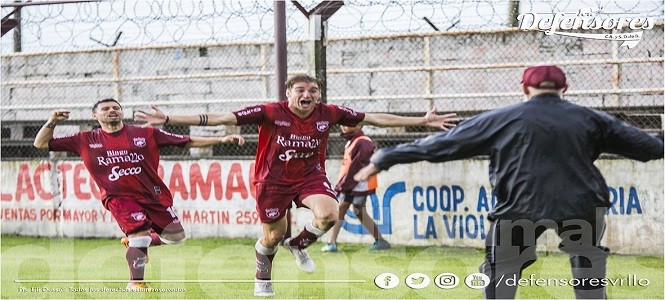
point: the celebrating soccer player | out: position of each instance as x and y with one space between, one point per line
290 163
123 160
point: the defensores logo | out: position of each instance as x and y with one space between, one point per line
592 18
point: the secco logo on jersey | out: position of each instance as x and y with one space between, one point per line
289 154
116 172
96 146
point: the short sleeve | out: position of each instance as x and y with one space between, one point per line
251 115
347 116
163 138
69 143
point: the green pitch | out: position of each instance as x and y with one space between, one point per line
224 268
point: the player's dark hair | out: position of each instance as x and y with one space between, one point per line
94 107
301 78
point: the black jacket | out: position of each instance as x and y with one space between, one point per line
541 156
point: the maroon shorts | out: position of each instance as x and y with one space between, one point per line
133 216
273 200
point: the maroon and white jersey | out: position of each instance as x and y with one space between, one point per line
123 163
290 148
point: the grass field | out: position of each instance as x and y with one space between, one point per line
197 268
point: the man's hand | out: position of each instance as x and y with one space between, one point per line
58 115
233 139
444 122
155 117
366 172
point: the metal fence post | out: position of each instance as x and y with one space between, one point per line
316 52
513 12
280 50
17 29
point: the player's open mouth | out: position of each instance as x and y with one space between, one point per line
305 103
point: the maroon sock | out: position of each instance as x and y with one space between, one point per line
156 241
136 259
263 265
303 240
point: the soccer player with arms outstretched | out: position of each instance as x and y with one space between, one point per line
123 160
290 163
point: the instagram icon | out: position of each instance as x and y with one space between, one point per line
446 280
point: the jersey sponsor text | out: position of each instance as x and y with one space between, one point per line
299 141
289 154
119 157
249 111
116 172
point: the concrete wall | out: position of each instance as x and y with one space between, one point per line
205 72
421 204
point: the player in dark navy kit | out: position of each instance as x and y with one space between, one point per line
542 172
290 163
123 160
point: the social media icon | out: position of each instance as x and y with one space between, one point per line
386 281
446 280
477 280
417 281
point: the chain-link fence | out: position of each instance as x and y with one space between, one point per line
400 58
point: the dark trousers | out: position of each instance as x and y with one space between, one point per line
510 247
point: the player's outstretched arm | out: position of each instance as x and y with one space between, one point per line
431 119
45 134
156 117
199 141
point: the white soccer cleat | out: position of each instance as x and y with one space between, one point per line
263 288
303 260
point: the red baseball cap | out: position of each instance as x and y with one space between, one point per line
547 77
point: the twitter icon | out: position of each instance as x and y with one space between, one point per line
417 281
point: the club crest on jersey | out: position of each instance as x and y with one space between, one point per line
272 213
322 126
139 142
138 216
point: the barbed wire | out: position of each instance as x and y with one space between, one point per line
147 22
